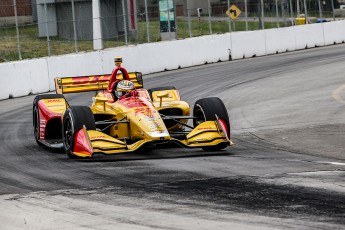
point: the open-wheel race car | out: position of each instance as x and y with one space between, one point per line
116 123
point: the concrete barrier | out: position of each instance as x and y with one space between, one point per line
210 49
280 40
309 36
71 65
36 76
334 32
248 44
22 78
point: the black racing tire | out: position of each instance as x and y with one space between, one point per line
150 91
74 119
36 115
205 110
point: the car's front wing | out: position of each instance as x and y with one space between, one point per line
89 142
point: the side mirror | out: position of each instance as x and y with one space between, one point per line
102 100
160 96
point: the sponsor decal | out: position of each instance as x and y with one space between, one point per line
89 79
205 128
132 102
60 105
201 139
54 100
146 111
98 137
159 134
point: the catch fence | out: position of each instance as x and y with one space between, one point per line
39 28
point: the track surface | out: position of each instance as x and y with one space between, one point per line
286 171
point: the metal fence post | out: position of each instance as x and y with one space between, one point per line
74 28
17 29
283 4
124 21
333 10
246 13
147 23
306 12
262 15
209 16
47 27
320 9
169 25
189 24
291 9
229 17
277 13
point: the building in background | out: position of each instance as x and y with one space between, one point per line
24 12
58 14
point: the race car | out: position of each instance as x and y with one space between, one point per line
118 124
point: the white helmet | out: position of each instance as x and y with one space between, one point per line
124 87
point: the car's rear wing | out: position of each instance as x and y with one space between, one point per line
65 85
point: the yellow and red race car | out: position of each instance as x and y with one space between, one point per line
116 125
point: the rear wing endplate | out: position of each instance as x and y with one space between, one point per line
80 84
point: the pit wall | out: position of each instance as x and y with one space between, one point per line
35 76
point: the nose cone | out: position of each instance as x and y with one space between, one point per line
159 135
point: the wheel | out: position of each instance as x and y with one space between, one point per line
73 120
36 114
36 124
150 91
205 110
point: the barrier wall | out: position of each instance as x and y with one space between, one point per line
334 32
36 76
248 44
22 78
309 36
280 40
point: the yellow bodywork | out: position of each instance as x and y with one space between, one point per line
55 105
90 83
146 125
129 123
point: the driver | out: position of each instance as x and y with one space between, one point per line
124 87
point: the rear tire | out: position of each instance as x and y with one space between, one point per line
36 115
205 110
74 119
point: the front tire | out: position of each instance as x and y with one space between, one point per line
205 110
74 119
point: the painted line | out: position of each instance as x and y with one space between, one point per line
336 94
333 163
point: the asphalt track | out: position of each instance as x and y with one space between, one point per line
286 171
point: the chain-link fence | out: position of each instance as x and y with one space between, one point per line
38 28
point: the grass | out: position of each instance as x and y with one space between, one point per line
32 46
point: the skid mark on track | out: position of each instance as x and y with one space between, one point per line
337 94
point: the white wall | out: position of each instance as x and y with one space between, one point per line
22 78
248 44
334 32
37 75
280 40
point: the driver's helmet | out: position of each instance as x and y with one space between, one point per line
124 87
